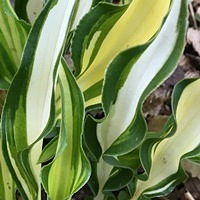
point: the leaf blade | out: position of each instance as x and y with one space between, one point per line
168 158
95 58
124 128
26 116
13 37
69 150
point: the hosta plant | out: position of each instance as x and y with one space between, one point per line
50 139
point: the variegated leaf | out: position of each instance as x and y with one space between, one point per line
83 7
33 9
29 109
13 34
181 141
7 185
144 75
70 169
110 30
124 92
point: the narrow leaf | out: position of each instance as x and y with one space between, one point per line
106 43
29 108
7 185
151 68
124 128
49 151
165 171
13 34
70 169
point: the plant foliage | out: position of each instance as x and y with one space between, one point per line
120 52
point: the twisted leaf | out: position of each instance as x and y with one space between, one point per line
29 111
124 128
182 141
70 169
102 39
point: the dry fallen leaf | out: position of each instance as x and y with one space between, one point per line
198 11
197 1
191 167
193 38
